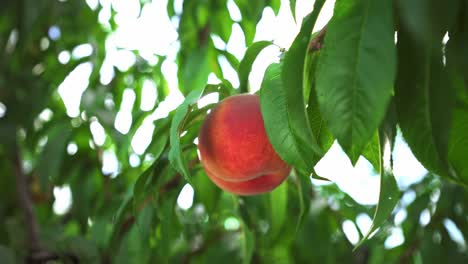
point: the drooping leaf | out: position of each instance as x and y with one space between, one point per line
389 193
175 153
372 152
310 61
275 5
283 108
194 71
245 65
424 101
278 123
356 70
388 130
222 24
317 124
248 28
427 20
292 6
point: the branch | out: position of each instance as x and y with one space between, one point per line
316 43
26 205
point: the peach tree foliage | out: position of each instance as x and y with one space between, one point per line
377 68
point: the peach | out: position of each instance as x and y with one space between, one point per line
235 151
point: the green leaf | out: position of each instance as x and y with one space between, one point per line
119 217
292 6
222 24
7 255
319 128
457 55
169 226
427 20
245 65
206 191
278 121
175 153
51 157
388 130
140 189
304 188
160 137
389 193
282 104
144 223
230 58
170 8
356 71
372 152
278 208
458 145
424 100
275 5
194 71
248 243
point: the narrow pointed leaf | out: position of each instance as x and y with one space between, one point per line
389 194
277 120
424 100
282 104
317 123
292 6
356 71
372 151
245 65
175 153
194 71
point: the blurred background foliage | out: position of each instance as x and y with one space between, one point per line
123 202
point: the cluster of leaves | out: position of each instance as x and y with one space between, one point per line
378 66
354 85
